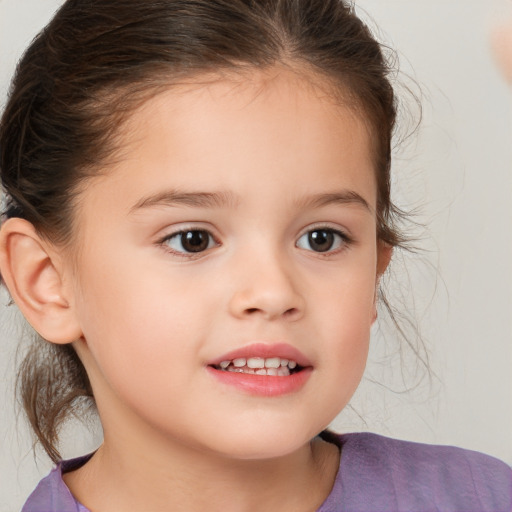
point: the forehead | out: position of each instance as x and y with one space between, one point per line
216 133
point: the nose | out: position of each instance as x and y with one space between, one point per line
266 287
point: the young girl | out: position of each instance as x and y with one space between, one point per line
198 215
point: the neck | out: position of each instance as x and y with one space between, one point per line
181 478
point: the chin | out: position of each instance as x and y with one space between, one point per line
262 442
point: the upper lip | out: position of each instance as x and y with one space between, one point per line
264 350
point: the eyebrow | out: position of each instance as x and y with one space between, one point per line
224 199
194 199
341 197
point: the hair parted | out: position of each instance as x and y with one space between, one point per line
97 60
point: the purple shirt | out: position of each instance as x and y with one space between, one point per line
376 474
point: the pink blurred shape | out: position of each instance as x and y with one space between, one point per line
501 40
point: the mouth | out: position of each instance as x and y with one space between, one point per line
271 366
261 369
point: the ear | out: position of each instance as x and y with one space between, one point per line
384 253
29 267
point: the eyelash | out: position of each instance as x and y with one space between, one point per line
343 241
178 235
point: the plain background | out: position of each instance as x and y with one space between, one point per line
456 170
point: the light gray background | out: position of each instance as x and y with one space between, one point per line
458 171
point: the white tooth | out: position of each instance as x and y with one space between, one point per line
238 363
272 371
283 371
235 370
292 365
273 362
256 362
261 372
224 364
284 362
249 370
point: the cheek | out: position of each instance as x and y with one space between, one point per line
135 321
347 319
349 339
350 299
141 351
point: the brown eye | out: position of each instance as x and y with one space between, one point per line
321 240
192 241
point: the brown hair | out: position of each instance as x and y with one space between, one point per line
98 59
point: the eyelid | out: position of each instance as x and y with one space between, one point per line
347 239
180 227
328 227
184 228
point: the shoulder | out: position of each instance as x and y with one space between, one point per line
380 473
430 459
52 494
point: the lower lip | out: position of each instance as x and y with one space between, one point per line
262 385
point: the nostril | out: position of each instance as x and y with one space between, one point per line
288 313
267 304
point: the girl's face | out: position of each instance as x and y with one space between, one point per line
237 226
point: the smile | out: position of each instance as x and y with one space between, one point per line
273 366
262 369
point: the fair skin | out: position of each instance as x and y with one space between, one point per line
278 181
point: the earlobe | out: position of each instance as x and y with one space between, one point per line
29 269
